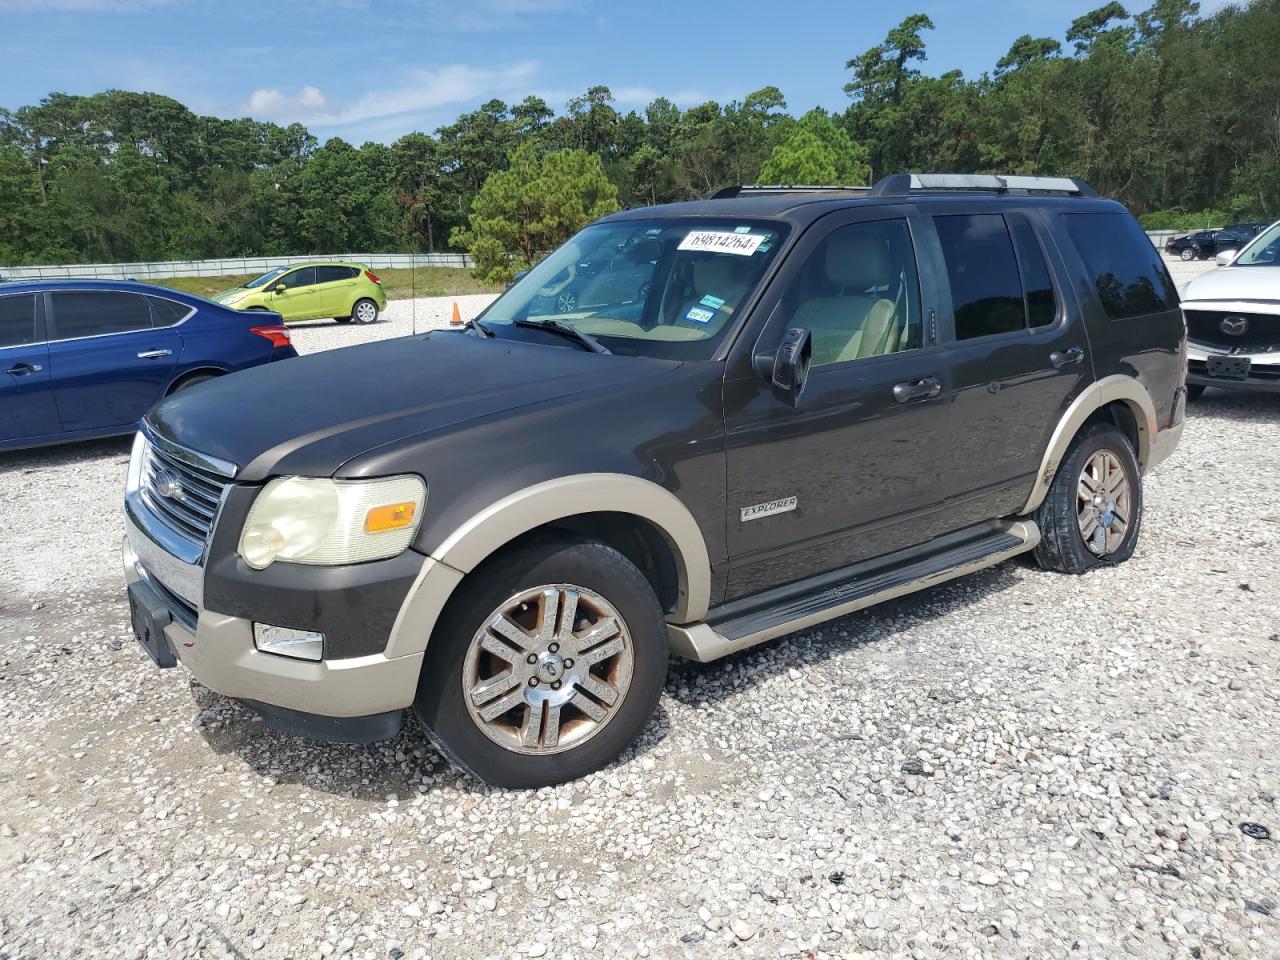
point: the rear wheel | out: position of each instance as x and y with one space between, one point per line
190 382
1189 253
1093 511
546 666
364 311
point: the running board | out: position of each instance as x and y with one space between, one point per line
743 624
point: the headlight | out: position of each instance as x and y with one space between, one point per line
331 522
236 299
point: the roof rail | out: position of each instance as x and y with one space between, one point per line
728 193
903 184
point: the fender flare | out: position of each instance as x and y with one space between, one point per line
498 524
1117 387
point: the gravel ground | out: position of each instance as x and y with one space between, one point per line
1017 764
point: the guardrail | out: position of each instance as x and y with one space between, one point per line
229 265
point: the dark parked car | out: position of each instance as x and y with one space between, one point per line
87 358
1193 246
825 399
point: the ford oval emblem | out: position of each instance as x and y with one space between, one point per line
167 485
1234 326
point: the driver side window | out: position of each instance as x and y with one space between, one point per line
858 293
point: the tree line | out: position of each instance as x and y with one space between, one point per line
1174 113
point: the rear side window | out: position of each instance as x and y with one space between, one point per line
167 313
17 321
1123 264
986 291
95 313
1042 307
332 274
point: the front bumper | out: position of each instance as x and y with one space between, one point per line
1264 370
349 699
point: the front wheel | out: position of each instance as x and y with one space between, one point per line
546 666
365 311
1093 511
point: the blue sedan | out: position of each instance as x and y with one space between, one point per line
87 358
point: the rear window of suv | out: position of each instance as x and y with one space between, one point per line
1123 264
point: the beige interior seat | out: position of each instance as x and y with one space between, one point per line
852 323
711 274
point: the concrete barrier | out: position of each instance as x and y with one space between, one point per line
230 265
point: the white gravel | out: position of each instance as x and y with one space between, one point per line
1017 764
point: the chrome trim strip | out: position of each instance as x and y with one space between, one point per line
119 333
201 461
163 557
1202 351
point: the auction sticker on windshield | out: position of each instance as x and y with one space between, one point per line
716 241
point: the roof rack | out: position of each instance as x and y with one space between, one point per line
739 190
903 184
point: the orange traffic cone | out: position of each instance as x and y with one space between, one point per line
457 317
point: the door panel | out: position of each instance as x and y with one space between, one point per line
338 287
863 464
107 363
26 397
302 298
1018 353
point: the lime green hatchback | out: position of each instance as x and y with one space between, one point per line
308 291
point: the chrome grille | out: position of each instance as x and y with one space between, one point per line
181 494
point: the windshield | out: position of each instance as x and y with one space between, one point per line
1264 251
655 288
266 278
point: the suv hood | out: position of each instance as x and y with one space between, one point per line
310 415
1234 283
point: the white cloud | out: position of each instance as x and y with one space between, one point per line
421 90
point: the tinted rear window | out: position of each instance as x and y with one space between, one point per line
331 274
986 291
1124 266
92 314
1042 308
17 320
167 313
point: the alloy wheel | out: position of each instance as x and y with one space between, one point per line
548 670
1105 503
366 311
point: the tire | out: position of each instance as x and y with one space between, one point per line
364 311
342 319
1188 253
1194 392
493 749
1062 544
190 382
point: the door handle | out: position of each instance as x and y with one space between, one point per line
23 368
1065 358
921 389
154 354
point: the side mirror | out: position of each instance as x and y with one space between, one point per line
517 278
1225 257
790 370
280 288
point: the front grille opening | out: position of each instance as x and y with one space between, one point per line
183 496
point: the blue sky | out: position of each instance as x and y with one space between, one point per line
369 70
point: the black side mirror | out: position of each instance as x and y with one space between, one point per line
517 278
791 366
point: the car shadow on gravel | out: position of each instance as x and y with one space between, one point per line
65 454
1241 406
691 682
403 766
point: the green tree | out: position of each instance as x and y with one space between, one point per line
533 206
817 152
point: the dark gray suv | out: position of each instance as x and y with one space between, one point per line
820 399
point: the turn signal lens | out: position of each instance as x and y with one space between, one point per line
394 516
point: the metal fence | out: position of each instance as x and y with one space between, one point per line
230 265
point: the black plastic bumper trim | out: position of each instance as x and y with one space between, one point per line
313 726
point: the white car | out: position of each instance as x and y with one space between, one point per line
1233 320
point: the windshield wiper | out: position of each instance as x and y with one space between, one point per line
566 329
479 328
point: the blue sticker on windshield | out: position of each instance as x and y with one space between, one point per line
715 303
698 315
